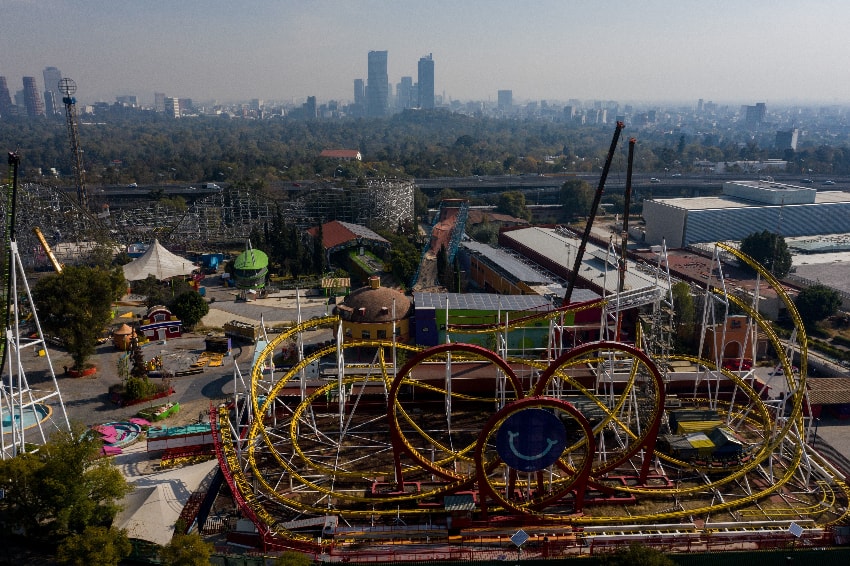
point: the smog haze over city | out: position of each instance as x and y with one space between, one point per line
726 51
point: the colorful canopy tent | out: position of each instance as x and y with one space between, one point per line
158 262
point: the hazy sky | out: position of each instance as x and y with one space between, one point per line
677 50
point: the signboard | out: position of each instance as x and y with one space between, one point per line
519 538
531 439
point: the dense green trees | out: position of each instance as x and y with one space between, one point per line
685 317
95 546
576 197
513 203
151 148
63 488
293 558
636 555
80 321
190 308
403 257
816 303
186 550
770 250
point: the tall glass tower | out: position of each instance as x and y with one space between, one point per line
426 82
378 85
52 96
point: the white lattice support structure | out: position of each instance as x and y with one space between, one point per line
21 405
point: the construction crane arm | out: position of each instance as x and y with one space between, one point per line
593 208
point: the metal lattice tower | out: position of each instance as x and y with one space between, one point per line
68 87
659 322
27 416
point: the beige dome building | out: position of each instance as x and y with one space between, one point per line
367 313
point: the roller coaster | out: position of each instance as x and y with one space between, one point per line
459 442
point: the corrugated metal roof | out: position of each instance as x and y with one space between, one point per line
561 248
509 263
463 502
719 202
482 301
157 432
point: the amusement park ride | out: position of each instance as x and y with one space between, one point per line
596 442
615 439
27 416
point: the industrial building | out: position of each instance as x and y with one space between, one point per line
555 249
745 207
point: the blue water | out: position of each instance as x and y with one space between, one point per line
31 416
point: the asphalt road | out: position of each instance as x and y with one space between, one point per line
86 399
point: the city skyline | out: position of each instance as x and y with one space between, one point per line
728 52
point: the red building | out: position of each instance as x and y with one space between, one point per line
160 324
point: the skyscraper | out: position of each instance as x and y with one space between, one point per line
359 92
404 93
159 101
505 100
426 82
52 101
786 139
32 99
378 87
5 99
754 115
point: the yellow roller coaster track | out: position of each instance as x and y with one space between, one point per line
761 420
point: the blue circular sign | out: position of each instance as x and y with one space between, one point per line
531 440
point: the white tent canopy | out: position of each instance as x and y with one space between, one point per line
158 262
151 510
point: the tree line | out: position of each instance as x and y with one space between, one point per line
149 148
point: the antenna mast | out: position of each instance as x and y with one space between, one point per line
68 87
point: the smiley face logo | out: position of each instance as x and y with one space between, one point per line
531 439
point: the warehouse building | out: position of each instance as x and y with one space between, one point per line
746 207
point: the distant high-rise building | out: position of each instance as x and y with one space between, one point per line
5 99
310 107
700 103
50 105
754 115
32 99
405 93
377 93
159 101
52 76
127 100
786 139
426 82
172 106
505 100
359 92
